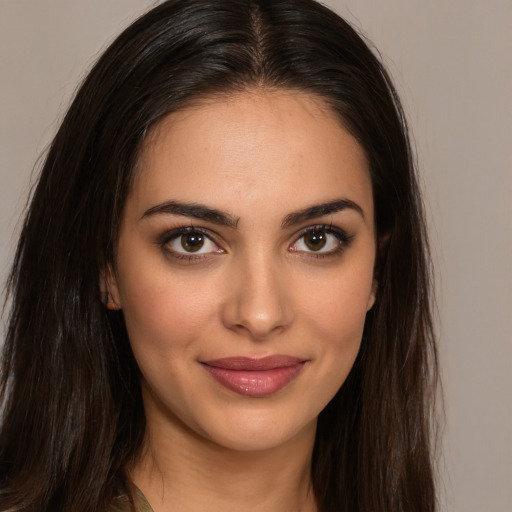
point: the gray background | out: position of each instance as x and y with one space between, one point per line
451 62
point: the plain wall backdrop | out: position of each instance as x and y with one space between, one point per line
451 63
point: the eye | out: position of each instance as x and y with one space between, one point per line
321 240
188 242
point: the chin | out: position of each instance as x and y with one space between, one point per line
260 432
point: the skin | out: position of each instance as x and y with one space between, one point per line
254 289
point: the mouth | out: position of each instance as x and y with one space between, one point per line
254 377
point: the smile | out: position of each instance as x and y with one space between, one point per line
254 377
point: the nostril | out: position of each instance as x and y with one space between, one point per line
255 321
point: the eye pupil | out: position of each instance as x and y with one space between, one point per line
315 240
192 242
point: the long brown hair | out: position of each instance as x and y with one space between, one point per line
73 415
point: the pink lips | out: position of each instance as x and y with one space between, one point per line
254 377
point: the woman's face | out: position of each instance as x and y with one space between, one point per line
245 267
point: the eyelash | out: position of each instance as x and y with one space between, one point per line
169 236
344 241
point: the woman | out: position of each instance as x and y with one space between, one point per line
220 294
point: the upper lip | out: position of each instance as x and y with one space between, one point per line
254 363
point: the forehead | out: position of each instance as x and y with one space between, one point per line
252 149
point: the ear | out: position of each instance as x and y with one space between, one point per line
109 289
382 243
373 293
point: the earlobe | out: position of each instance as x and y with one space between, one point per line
382 244
373 293
110 290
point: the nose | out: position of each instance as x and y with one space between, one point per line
257 304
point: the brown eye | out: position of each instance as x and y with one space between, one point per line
189 242
192 242
321 241
315 240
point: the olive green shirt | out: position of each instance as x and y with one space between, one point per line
122 503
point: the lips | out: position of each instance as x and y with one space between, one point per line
255 377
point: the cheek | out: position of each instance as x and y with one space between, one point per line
334 312
164 312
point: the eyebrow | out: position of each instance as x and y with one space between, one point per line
319 210
194 210
203 212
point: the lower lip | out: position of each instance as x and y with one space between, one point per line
255 383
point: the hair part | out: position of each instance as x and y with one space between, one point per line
74 416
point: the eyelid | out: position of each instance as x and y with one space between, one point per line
172 234
341 234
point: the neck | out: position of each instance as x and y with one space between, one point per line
178 470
